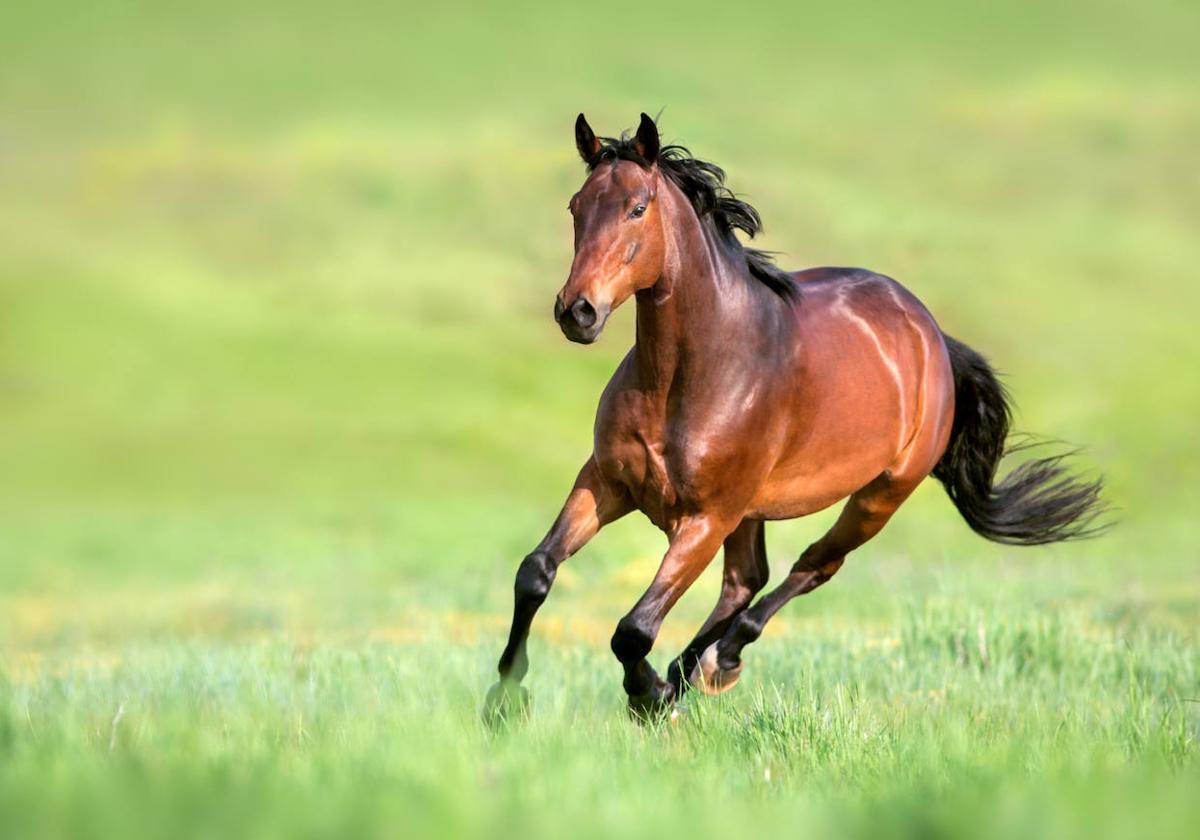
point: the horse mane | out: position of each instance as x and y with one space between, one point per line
704 185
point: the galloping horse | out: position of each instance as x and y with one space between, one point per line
754 394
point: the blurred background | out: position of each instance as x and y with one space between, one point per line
282 404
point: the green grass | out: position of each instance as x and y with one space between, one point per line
282 407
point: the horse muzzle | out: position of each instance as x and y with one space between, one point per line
582 321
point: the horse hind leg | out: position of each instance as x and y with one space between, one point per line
865 513
744 576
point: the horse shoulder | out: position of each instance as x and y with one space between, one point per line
625 428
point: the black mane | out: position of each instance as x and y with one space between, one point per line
704 185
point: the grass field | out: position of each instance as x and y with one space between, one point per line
282 407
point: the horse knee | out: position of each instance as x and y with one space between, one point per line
534 578
631 642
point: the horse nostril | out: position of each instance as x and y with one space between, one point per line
583 312
559 309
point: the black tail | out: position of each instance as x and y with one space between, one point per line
1037 502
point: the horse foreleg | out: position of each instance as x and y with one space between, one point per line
744 577
694 543
591 505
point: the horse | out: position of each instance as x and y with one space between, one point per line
753 394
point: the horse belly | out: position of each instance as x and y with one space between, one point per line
800 489
842 439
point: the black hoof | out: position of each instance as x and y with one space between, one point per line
654 706
677 678
506 703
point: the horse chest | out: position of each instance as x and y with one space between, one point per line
631 449
636 461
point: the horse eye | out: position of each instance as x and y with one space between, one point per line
637 211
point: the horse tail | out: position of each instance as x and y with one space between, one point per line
1039 501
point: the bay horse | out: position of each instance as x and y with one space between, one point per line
754 394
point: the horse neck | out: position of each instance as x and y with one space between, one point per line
691 318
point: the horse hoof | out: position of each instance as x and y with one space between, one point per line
654 706
505 703
709 678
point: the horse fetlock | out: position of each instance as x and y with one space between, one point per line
744 630
631 642
535 575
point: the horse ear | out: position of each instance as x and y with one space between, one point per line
646 140
586 142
